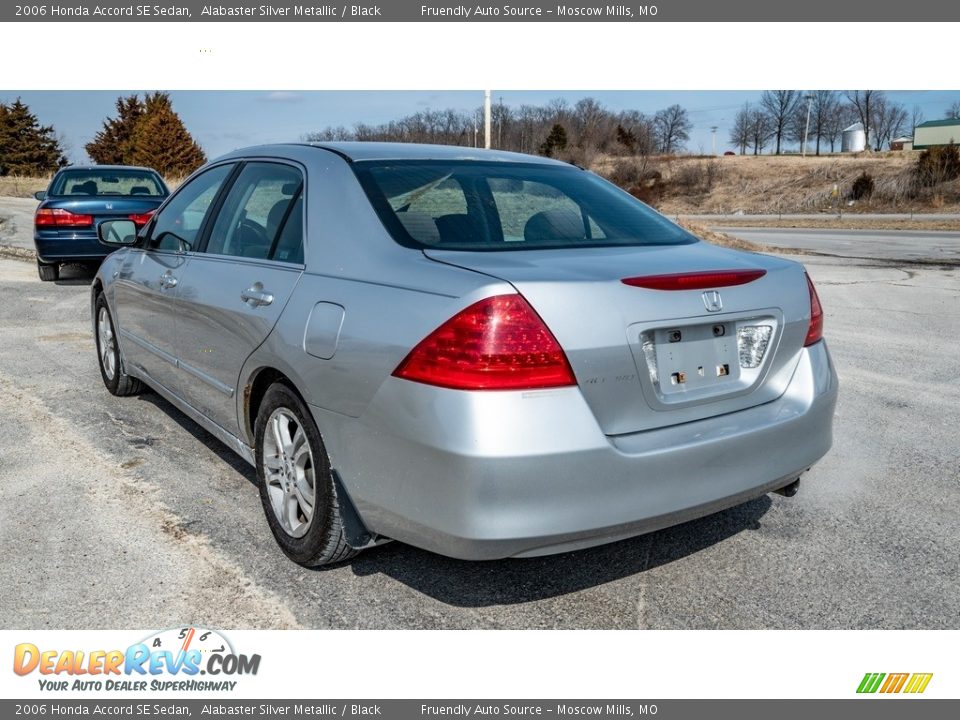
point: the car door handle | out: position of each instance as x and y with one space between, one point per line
256 296
167 280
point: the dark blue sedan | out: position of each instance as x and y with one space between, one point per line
78 199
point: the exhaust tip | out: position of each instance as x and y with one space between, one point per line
790 489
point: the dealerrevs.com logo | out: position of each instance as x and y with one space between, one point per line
173 659
910 683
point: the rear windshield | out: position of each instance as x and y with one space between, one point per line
98 183
470 205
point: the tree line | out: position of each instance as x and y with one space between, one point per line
820 117
144 132
147 132
574 132
579 131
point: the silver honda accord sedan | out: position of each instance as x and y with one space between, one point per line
483 354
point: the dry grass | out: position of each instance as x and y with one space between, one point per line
724 240
25 186
17 253
849 222
22 186
790 184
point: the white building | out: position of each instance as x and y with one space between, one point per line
854 139
936 132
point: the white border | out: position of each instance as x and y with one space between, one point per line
589 56
458 56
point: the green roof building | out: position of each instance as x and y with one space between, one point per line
936 132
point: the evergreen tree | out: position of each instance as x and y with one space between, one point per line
26 146
162 142
627 138
113 145
556 140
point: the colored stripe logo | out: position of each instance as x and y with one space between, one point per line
913 683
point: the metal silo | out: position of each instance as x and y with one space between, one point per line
854 139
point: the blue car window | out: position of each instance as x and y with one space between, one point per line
179 223
256 211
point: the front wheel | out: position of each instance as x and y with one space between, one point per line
108 354
296 484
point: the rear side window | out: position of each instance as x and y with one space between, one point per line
178 224
262 215
470 205
108 183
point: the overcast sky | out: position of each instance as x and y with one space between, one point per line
224 120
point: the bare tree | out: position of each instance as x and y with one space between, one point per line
822 106
864 102
780 106
838 118
639 137
740 132
760 130
890 118
329 133
672 128
953 112
915 119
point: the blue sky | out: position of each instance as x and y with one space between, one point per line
224 120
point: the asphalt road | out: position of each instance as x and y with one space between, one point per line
122 513
852 217
909 245
16 221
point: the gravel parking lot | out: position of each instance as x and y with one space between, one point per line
123 513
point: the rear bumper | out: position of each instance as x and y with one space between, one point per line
492 475
73 247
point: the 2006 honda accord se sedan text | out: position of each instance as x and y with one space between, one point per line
479 353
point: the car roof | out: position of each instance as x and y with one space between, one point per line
362 150
87 168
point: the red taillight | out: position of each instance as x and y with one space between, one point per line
141 219
815 330
58 217
499 343
695 280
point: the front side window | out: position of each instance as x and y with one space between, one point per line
471 205
119 182
178 224
262 215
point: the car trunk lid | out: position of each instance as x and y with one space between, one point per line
100 208
647 358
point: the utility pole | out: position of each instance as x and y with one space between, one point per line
714 131
806 128
486 119
500 126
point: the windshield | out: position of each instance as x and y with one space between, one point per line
470 205
99 183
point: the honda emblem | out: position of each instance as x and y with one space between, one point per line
712 301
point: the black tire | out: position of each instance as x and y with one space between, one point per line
48 271
119 383
322 541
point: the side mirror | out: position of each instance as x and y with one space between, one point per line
40 195
117 233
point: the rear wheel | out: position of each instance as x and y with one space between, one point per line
48 271
296 485
108 353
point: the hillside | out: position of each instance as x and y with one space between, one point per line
748 184
787 184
